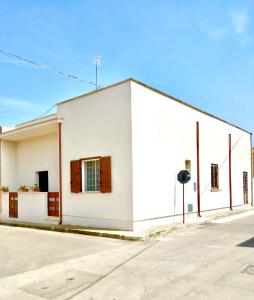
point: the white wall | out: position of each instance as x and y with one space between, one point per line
163 137
38 154
8 165
32 207
5 206
99 124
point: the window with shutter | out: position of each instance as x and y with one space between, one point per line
76 176
214 177
91 175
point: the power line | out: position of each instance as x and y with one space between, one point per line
29 62
21 61
47 111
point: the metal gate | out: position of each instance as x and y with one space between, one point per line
245 187
53 204
13 205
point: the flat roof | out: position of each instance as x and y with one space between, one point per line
31 122
157 91
37 127
55 116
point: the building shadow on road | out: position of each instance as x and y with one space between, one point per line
249 243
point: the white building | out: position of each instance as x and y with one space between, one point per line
112 156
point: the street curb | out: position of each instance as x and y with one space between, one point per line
60 228
122 235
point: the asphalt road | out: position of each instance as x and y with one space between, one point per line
213 261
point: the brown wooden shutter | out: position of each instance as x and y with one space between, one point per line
217 176
212 177
105 174
76 176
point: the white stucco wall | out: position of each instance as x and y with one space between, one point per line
99 124
8 165
37 154
5 206
163 137
32 207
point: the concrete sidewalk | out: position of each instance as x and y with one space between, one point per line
108 233
128 235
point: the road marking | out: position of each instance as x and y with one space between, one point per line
232 218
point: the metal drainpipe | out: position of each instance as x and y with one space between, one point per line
198 169
60 171
230 172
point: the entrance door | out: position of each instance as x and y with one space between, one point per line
13 205
43 181
245 187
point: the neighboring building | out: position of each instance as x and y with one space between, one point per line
112 156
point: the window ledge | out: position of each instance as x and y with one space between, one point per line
215 190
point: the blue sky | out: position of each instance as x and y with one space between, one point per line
199 51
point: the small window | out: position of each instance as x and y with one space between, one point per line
214 177
188 165
91 171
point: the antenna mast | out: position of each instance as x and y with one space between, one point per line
97 62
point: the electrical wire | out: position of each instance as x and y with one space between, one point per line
21 61
30 63
24 62
47 111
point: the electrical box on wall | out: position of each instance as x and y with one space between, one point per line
190 208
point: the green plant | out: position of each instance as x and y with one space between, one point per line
35 188
23 188
4 188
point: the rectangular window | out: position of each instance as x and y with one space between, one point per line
188 165
91 174
214 177
91 171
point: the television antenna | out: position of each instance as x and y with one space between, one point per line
97 62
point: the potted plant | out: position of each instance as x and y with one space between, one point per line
23 188
35 188
4 188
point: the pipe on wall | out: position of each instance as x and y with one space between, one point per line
60 171
198 169
230 172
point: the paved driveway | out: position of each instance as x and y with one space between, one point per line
213 261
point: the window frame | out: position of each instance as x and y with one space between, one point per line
215 184
83 172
